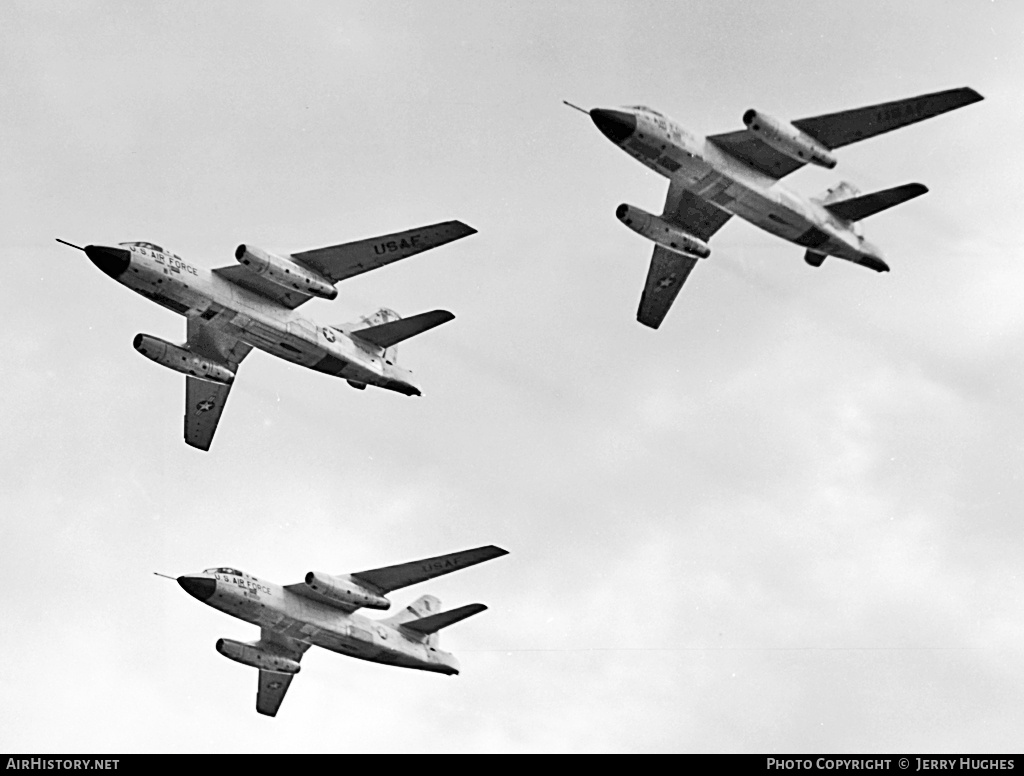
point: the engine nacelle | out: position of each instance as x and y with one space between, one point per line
181 360
345 590
662 232
285 272
786 138
252 655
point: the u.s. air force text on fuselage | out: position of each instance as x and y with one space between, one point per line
716 177
320 611
252 304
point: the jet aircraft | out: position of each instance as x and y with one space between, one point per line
320 611
251 304
714 178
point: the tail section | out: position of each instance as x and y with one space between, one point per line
422 608
842 191
386 328
431 625
860 207
423 618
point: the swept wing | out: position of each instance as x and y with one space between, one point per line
404 574
388 578
669 270
274 685
835 130
204 401
340 262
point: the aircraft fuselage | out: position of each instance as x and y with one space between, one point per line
698 165
271 606
196 292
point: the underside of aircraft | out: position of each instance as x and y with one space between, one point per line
321 611
714 178
253 304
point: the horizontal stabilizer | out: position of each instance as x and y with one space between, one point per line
867 205
435 622
388 334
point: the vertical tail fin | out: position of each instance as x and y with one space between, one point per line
379 318
424 606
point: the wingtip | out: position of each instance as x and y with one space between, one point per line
972 95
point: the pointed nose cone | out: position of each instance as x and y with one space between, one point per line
616 125
113 261
198 587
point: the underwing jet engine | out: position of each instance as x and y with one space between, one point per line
662 232
181 360
285 272
256 656
787 139
345 590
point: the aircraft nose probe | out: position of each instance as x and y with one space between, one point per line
111 261
616 125
197 587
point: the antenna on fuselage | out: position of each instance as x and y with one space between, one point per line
72 245
577 107
165 576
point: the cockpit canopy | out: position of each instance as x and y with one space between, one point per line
232 572
148 245
645 109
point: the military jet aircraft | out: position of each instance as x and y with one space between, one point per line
252 304
320 612
714 178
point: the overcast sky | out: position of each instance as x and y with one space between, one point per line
788 520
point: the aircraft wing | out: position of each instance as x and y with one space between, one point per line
204 401
274 685
250 281
339 262
669 270
838 129
304 590
754 152
404 574
834 130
